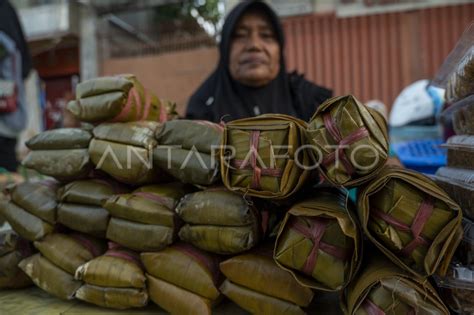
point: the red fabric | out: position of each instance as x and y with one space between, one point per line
421 217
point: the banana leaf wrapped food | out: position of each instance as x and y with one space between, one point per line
461 152
125 151
117 268
183 273
186 267
145 220
49 277
64 165
69 251
117 298
38 198
24 223
118 99
13 249
60 153
60 139
258 285
89 192
411 220
384 288
458 183
349 141
460 81
319 242
219 221
188 150
264 156
88 219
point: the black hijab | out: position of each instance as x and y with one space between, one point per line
10 25
221 96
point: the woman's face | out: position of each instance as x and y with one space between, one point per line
254 51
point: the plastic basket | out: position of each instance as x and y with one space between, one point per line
424 156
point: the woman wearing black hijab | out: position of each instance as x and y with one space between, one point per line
251 76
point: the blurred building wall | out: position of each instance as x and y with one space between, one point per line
173 76
374 56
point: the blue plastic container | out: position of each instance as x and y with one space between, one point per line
424 156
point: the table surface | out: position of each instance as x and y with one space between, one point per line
34 301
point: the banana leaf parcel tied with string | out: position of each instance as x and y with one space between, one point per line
180 273
220 221
125 151
115 279
383 288
319 242
258 285
50 277
60 153
118 99
411 220
145 219
69 251
263 156
13 249
349 141
188 150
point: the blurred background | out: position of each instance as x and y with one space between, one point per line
369 48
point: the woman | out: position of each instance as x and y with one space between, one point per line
251 77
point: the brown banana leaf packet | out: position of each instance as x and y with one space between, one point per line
349 141
140 236
461 152
151 204
38 198
383 288
117 268
49 277
118 99
60 139
186 267
176 300
13 249
27 225
89 192
69 251
459 84
116 298
458 183
88 219
64 165
263 156
258 285
144 220
411 220
125 151
219 221
319 241
188 150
